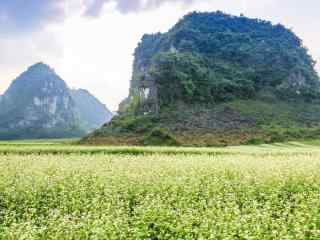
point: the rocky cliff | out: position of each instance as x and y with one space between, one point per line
39 104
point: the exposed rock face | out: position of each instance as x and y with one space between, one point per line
39 104
92 112
148 95
294 84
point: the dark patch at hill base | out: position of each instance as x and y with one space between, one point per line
217 79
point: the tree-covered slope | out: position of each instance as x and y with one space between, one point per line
189 80
218 57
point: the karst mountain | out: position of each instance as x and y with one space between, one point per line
39 104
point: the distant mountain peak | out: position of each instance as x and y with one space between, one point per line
40 65
39 104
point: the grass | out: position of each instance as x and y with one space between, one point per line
66 147
63 191
279 115
235 122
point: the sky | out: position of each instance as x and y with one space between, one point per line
90 43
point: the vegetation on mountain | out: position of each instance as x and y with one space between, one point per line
201 78
215 57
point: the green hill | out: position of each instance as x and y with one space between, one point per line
218 79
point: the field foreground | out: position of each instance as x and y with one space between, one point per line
56 191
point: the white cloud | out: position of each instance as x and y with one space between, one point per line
94 7
19 52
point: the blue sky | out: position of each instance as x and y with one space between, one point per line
90 42
24 16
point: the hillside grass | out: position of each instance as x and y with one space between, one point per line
59 191
279 114
236 122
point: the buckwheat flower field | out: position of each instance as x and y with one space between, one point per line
56 191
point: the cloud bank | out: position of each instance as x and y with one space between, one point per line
94 7
18 16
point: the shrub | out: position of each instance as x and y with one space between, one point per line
159 137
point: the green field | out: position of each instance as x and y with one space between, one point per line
56 190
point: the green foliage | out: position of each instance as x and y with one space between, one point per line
190 79
183 74
133 123
215 57
133 106
159 137
281 114
255 141
283 135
